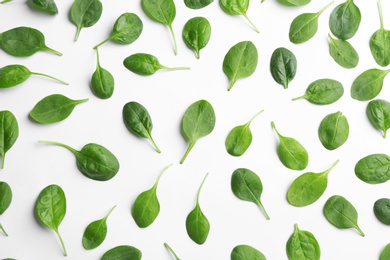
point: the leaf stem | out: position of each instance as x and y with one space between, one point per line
2 229
103 42
263 209
200 188
2 158
384 134
253 25
197 52
274 127
174 38
231 84
59 144
109 213
52 51
300 97
62 242
331 167
161 173
5 1
176 68
190 146
77 33
171 251
359 230
324 8
380 13
81 101
97 57
154 144
253 117
51 77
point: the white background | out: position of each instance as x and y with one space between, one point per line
31 166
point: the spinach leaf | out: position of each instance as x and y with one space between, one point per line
373 169
85 13
138 121
54 108
161 11
127 28
240 61
333 130
305 26
290 152
47 6
240 138
294 2
308 187
382 210
237 7
16 74
93 160
302 245
378 113
50 209
197 122
283 66
246 185
196 34
96 232
197 4
341 213
323 92
344 20
102 82
23 42
368 84
385 253
9 132
380 42
171 251
146 206
5 200
146 64
242 252
122 253
197 225
343 53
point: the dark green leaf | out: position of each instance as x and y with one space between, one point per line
323 92
237 7
283 66
302 245
122 253
343 53
333 130
197 4
9 132
102 82
47 6
382 210
196 34
380 42
5 200
85 13
378 112
344 20
368 84
373 169
245 252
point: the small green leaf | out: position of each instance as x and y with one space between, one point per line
47 6
85 13
283 66
122 253
102 82
237 7
333 130
323 92
382 210
245 252
380 42
302 245
378 113
343 53
196 34
385 254
344 20
5 200
9 133
368 84
373 169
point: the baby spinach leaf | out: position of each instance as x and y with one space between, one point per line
308 187
9 132
197 4
305 26
47 6
196 34
290 152
138 121
242 252
240 138
237 7
382 210
380 42
122 253
343 53
197 122
385 253
85 13
5 200
323 92
161 11
102 82
368 84
373 169
333 130
127 28
23 42
341 213
344 20
294 2
146 64
16 74
50 209
54 108
96 232
378 113
146 206
283 66
246 185
171 251
93 160
302 245
240 61
197 225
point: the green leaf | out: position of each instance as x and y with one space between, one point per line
85 13
343 53
283 66
171 251
290 152
240 61
308 188
197 4
50 209
146 206
382 210
47 6
246 185
245 252
302 245
122 253
294 2
96 232
197 225
378 113
5 200
385 254
380 42
102 82
344 20
373 169
237 7
9 132
138 121
198 121
333 130
196 34
368 84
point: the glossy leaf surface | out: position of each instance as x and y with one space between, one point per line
9 133
85 13
283 66
196 34
323 92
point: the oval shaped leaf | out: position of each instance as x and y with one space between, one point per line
344 20
47 6
378 113
368 84
382 210
294 2
9 133
343 53
283 66
5 200
197 4
196 34
237 7
245 252
323 92
102 82
373 169
385 254
380 42
123 253
302 245
85 13
333 130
